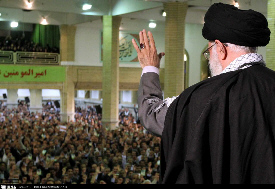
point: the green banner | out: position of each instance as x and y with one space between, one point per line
15 73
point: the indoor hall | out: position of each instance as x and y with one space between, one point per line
73 68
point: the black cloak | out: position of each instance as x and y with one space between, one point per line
222 130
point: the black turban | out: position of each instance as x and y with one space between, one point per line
231 25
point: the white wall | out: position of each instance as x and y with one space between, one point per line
94 94
194 44
88 45
3 91
81 94
23 92
50 93
46 93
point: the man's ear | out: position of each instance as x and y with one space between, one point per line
221 50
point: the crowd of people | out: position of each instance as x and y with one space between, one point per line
37 148
25 45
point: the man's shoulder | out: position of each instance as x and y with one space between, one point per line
261 72
235 82
212 84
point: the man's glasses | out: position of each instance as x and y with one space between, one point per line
206 53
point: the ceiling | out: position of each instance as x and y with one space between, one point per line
70 12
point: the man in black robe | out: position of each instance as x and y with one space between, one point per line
220 130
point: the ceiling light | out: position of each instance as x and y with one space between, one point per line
152 25
44 21
236 4
86 6
14 24
29 4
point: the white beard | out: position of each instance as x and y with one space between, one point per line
214 64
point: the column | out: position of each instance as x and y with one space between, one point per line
67 44
174 47
270 48
134 97
12 98
67 105
110 80
36 100
67 55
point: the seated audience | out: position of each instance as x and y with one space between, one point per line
36 149
25 45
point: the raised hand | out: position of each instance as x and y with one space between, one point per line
147 53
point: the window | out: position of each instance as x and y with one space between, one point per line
94 94
127 96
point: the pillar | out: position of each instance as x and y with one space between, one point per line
36 100
134 97
270 48
12 98
67 44
67 55
110 80
67 103
174 47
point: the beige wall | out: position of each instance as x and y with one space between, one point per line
86 77
90 77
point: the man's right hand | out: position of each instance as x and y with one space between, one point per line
147 56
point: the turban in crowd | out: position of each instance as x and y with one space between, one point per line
229 24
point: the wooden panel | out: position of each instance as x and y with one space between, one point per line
128 86
37 58
89 74
88 85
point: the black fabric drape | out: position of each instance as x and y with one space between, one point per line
221 130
